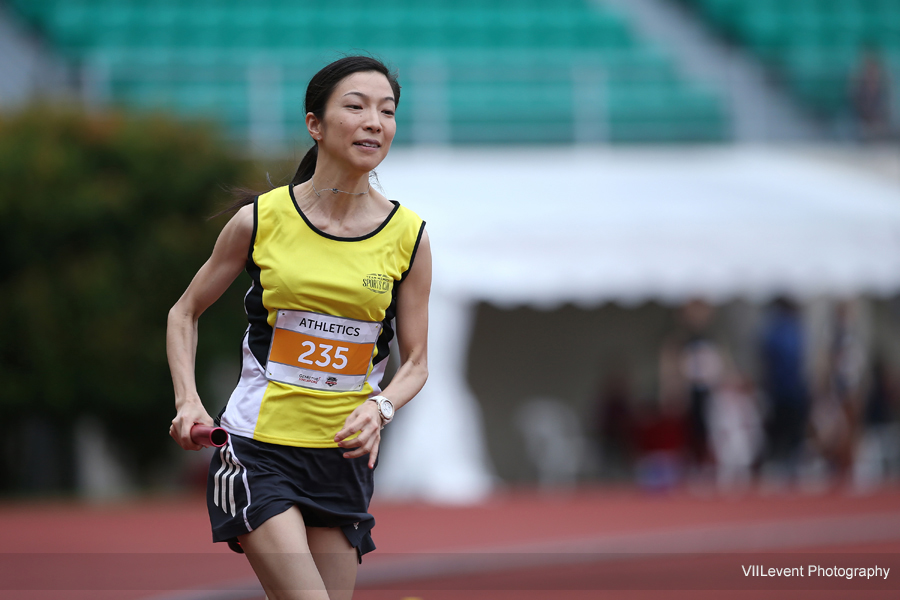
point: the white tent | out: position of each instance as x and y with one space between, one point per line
543 227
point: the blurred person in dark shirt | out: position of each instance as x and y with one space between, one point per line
784 384
878 454
882 396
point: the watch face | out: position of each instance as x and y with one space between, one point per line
387 409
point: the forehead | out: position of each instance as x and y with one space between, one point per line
371 83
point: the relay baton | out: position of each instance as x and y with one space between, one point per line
204 435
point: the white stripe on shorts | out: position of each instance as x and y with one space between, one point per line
224 484
246 487
237 470
216 478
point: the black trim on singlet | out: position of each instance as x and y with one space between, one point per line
415 250
387 329
383 344
259 335
342 239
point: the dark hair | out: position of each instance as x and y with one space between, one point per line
318 93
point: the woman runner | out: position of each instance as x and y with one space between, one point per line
337 271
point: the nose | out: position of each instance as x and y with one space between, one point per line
372 122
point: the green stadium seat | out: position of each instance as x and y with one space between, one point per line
510 67
765 31
812 44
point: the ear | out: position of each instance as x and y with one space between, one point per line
314 126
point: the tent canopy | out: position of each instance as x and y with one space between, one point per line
584 225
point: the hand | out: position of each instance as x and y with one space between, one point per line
367 421
189 414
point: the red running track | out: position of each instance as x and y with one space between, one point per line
593 543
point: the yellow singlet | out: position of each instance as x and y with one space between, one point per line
321 311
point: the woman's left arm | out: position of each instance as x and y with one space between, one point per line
412 329
412 334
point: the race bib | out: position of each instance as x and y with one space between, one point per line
321 352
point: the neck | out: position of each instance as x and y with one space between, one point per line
318 192
350 185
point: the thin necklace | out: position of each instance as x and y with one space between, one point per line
335 190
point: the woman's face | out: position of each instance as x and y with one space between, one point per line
358 126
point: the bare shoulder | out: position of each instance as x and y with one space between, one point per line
242 221
243 218
421 268
238 232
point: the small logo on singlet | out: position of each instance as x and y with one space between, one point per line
331 381
377 282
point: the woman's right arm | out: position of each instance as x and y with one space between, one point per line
228 259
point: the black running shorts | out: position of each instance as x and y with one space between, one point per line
250 482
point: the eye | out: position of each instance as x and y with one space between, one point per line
388 112
355 106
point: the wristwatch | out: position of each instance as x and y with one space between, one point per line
385 409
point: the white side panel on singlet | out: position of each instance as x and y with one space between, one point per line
241 413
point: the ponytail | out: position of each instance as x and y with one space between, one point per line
244 196
307 166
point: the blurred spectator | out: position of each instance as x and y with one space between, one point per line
692 366
784 385
869 98
736 434
838 403
615 426
878 452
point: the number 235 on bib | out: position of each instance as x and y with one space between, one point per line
321 352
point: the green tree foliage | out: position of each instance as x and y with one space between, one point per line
103 222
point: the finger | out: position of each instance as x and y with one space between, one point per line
357 453
359 425
351 426
343 434
352 443
362 439
357 421
184 438
373 455
368 428
361 445
365 448
346 432
176 434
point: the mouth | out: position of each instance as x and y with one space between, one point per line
367 144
